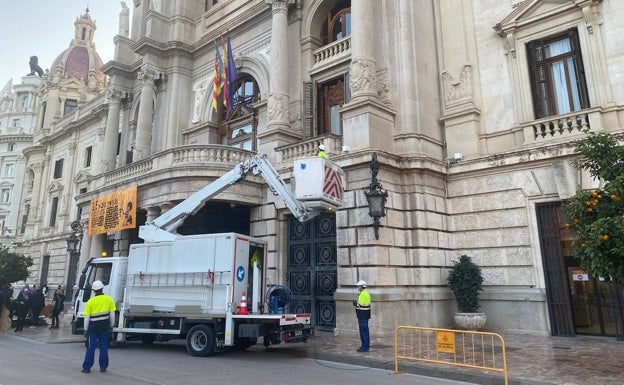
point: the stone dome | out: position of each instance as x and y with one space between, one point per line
80 61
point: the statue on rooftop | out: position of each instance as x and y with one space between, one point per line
34 67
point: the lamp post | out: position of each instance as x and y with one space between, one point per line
74 241
375 196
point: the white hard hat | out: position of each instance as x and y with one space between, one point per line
322 147
361 283
97 285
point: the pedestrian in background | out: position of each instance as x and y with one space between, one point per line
363 313
37 302
99 318
23 305
59 305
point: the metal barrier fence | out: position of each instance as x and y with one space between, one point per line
469 349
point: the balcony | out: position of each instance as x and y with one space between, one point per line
184 160
332 54
556 127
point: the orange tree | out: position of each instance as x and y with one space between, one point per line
597 216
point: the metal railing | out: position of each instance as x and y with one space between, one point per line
463 348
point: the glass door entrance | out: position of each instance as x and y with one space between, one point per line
596 303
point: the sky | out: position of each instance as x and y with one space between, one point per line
44 28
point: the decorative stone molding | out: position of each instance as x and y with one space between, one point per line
200 89
278 108
457 89
383 86
280 6
591 14
146 76
362 76
101 131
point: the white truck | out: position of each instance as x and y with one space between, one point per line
208 289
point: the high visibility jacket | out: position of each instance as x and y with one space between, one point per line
363 305
98 311
322 154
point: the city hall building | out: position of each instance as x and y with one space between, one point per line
464 112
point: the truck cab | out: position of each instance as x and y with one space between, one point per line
112 271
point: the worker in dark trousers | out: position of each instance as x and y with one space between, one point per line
363 313
99 319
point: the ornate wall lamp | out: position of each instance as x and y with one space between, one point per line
376 196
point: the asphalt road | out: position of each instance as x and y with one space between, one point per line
26 361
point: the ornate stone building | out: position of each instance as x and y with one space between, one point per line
471 108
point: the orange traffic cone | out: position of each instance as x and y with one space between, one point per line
242 309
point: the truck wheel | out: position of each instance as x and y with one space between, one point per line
200 341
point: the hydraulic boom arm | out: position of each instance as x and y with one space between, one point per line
163 228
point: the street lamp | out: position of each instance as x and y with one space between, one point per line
74 241
375 196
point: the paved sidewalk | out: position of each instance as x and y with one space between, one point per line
531 360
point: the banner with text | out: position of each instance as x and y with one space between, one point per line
113 212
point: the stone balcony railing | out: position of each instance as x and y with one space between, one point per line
332 53
309 148
177 158
557 127
209 156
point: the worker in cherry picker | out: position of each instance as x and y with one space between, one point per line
321 152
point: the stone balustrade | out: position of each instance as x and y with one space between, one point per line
332 52
172 159
309 148
556 127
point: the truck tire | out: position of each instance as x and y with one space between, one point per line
200 341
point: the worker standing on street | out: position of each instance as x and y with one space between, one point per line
363 313
99 318
321 152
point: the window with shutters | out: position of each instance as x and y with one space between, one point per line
557 75
322 104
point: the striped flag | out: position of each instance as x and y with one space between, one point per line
216 88
224 76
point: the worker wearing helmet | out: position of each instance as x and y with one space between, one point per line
363 313
321 152
99 318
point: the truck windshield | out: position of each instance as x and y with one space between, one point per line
100 272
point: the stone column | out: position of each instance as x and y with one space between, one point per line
362 73
279 99
145 117
153 212
109 152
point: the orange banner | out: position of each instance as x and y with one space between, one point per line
113 212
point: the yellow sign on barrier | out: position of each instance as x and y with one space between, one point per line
468 349
445 341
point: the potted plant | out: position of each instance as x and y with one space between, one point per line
465 281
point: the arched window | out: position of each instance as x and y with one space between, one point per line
338 24
238 126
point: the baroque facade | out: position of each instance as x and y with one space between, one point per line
470 107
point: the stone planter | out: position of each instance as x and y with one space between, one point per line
470 321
